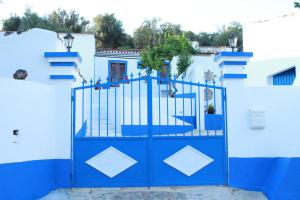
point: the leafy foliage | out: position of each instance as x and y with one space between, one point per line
153 32
109 32
58 21
211 109
153 57
62 21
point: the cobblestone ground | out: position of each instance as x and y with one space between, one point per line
170 193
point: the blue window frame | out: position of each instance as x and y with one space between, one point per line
139 65
117 70
286 77
164 74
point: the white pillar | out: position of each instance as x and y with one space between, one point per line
232 65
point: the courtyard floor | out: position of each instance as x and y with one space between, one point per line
159 193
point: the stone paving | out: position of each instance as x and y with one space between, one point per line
160 193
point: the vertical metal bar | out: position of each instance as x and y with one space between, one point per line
115 111
199 109
175 104
215 106
149 123
167 102
123 88
99 117
214 84
224 124
131 106
82 120
191 102
206 102
159 118
139 101
108 87
91 108
73 129
183 99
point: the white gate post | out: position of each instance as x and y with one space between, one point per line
232 66
233 75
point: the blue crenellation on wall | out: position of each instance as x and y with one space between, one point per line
278 177
33 179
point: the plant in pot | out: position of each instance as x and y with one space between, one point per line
213 121
211 109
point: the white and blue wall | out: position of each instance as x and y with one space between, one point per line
262 159
263 139
38 109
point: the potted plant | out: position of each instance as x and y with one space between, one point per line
211 109
213 121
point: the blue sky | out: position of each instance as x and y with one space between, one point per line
195 15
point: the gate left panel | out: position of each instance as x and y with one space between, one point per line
110 162
104 154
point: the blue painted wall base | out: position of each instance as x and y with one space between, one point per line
278 178
33 179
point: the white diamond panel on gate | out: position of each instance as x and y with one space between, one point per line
188 160
111 162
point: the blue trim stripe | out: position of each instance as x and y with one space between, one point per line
62 77
61 54
234 76
232 54
234 63
63 64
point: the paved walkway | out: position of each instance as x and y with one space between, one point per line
160 193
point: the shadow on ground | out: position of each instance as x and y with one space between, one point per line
162 193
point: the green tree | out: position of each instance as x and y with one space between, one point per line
109 32
147 34
32 20
62 21
175 45
221 37
12 23
58 21
152 32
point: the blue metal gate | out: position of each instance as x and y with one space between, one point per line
148 131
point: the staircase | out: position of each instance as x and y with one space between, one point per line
107 123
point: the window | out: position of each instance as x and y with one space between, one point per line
164 73
286 77
139 65
117 70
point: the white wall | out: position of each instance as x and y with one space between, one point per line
275 43
195 73
31 108
260 72
200 65
277 37
280 138
26 51
85 44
